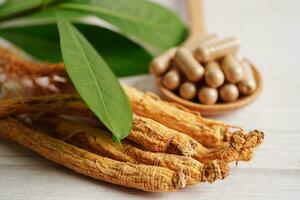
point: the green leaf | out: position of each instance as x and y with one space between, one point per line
124 57
94 81
147 24
144 22
41 42
43 17
12 7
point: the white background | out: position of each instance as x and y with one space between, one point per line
269 32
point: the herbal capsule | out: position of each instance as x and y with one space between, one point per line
189 65
160 64
248 84
188 90
214 76
229 92
215 50
203 40
208 95
232 69
171 80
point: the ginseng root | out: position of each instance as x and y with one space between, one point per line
13 63
100 141
176 117
146 132
194 170
143 177
156 137
159 138
240 148
31 78
64 103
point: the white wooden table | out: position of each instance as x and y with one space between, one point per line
269 31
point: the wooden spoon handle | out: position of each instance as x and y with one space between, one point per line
196 22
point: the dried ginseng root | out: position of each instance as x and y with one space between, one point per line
100 141
240 148
31 78
12 63
194 170
148 133
143 177
176 117
85 136
65 103
159 138
153 135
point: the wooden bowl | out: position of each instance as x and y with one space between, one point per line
219 108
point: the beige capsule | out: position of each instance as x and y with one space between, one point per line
232 69
208 95
187 63
200 41
171 80
218 49
229 92
188 90
214 76
248 84
161 63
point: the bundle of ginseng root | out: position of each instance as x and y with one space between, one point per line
169 147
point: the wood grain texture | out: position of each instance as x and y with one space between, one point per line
269 33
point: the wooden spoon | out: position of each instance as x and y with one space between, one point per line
197 31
